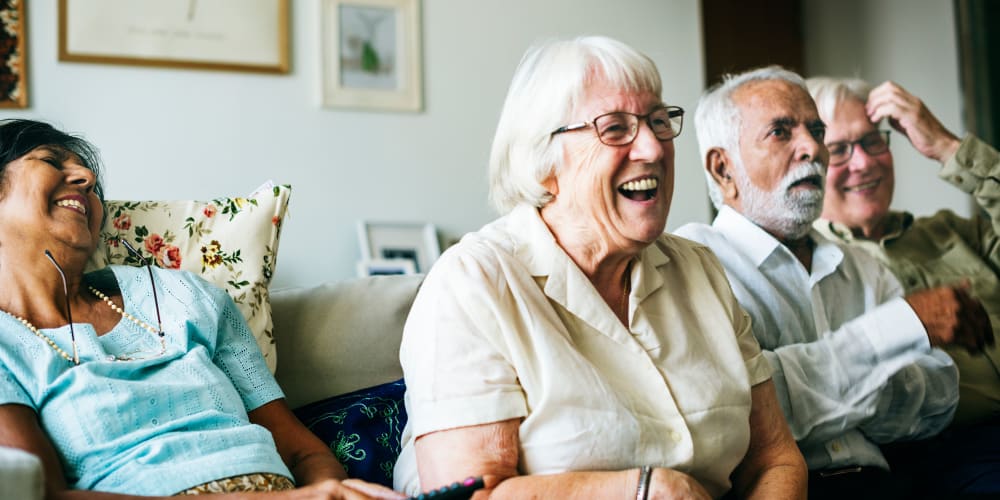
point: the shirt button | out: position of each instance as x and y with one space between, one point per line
958 179
835 447
675 436
154 422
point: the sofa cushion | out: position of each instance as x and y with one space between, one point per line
231 242
363 428
341 336
20 474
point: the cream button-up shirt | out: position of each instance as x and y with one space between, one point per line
507 326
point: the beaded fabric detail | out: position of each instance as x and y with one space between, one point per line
163 343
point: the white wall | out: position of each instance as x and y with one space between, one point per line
913 43
187 134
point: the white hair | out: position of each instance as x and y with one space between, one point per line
830 92
717 119
546 89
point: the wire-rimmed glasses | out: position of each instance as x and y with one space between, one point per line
620 128
873 143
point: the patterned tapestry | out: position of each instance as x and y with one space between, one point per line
12 85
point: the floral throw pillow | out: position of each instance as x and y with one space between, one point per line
231 242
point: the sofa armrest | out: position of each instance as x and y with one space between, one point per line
338 337
20 474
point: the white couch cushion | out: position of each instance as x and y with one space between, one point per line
339 337
20 475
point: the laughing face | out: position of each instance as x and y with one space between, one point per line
859 192
48 193
614 198
779 175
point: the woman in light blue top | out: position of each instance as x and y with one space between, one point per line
131 381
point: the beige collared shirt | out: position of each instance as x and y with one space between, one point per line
507 326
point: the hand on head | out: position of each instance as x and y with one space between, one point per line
910 117
953 317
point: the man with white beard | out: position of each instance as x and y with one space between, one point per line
855 363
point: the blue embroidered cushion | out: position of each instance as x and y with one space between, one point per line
363 429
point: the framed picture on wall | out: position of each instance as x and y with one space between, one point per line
370 53
385 267
13 58
238 35
415 243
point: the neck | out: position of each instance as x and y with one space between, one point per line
874 231
31 287
802 248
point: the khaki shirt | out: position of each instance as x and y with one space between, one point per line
507 326
945 249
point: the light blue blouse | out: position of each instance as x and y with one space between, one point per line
155 426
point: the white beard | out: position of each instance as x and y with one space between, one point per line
780 211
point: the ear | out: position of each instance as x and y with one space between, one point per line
720 168
551 185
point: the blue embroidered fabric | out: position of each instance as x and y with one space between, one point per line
362 428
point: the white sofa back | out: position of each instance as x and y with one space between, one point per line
338 337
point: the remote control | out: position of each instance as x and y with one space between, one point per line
455 491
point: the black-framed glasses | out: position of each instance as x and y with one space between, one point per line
620 128
874 143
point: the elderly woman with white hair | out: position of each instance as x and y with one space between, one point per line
571 349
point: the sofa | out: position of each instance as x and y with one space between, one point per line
332 339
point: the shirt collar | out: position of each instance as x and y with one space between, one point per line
896 224
759 245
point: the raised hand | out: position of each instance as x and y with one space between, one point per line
910 117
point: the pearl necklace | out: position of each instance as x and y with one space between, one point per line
75 359
133 319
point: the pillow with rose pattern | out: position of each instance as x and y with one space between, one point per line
231 242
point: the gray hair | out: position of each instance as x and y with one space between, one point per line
547 87
717 119
830 92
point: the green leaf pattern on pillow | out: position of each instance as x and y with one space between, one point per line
231 242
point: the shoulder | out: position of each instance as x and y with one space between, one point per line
699 232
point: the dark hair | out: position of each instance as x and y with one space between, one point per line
19 137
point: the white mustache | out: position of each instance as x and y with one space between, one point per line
801 171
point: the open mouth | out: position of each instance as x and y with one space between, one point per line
72 205
863 187
809 181
640 190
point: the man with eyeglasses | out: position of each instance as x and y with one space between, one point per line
854 363
943 249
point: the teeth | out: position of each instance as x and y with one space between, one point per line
641 185
74 204
862 187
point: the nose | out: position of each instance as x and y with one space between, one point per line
646 148
810 149
860 160
79 175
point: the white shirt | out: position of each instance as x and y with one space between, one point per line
507 326
852 363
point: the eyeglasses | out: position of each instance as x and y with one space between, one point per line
874 143
156 303
620 128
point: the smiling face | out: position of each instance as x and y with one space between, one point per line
779 174
614 198
48 194
859 192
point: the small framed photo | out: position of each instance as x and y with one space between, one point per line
371 54
416 243
385 267
13 58
236 35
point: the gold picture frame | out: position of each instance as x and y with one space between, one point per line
371 54
232 35
13 55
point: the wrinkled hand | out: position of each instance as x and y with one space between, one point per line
675 485
952 317
349 489
908 115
